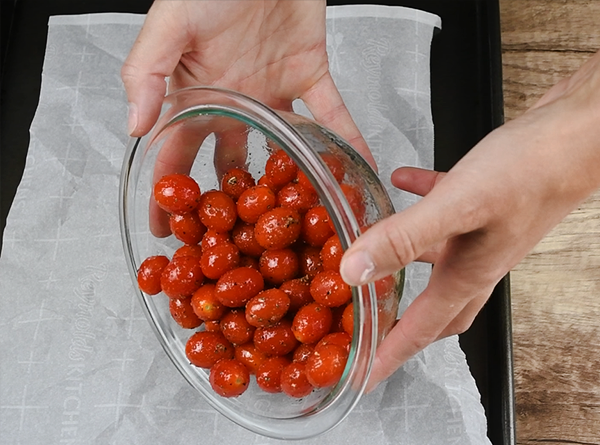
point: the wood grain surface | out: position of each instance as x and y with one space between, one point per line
556 288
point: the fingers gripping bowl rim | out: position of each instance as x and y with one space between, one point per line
200 112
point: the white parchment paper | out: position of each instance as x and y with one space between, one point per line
80 364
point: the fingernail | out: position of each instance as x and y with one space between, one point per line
358 268
132 120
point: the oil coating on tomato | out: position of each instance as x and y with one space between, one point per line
331 254
280 169
235 182
235 327
217 260
217 211
229 378
149 273
268 375
278 228
177 193
187 228
205 303
243 237
326 365
267 308
277 339
297 197
298 291
237 286
183 313
311 323
294 381
329 289
181 277
250 356
315 226
203 349
254 202
279 265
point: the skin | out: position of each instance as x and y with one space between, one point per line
475 223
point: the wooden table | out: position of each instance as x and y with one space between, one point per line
555 289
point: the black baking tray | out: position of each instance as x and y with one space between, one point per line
466 90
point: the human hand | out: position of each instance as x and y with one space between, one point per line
480 219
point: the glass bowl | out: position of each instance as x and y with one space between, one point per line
196 120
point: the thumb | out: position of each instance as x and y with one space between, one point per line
153 57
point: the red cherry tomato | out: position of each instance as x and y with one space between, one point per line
217 260
267 308
279 265
237 286
250 356
187 228
213 238
348 319
302 352
149 272
294 381
326 365
277 339
278 228
189 250
268 376
235 182
212 326
311 323
355 199
181 277
297 197
248 261
183 313
236 328
331 254
229 378
315 226
243 237
310 261
205 303
280 169
330 290
342 339
203 349
264 180
298 291
254 202
217 211
177 193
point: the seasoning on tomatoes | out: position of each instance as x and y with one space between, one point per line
213 238
183 313
177 193
302 352
329 289
267 308
280 265
217 211
294 381
187 228
217 260
310 261
235 182
280 168
236 328
355 199
278 228
331 254
348 319
181 277
342 339
243 237
311 323
298 291
297 197
250 356
229 378
277 339
212 326
237 286
189 250
326 365
204 348
248 261
205 303
149 272
315 226
254 202
268 376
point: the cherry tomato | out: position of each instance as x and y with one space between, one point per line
235 182
315 226
236 328
187 228
355 199
294 381
248 261
217 211
229 378
278 228
311 323
217 260
310 261
254 202
205 303
183 313
250 356
188 250
348 319
264 180
177 193
277 339
297 197
280 265
149 272
237 286
267 308
213 238
331 254
203 349
335 165
181 277
342 339
302 352
329 289
243 237
268 376
212 326
326 365
298 291
280 169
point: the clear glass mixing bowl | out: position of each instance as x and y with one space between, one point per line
191 123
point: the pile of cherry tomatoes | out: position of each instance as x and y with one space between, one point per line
258 273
